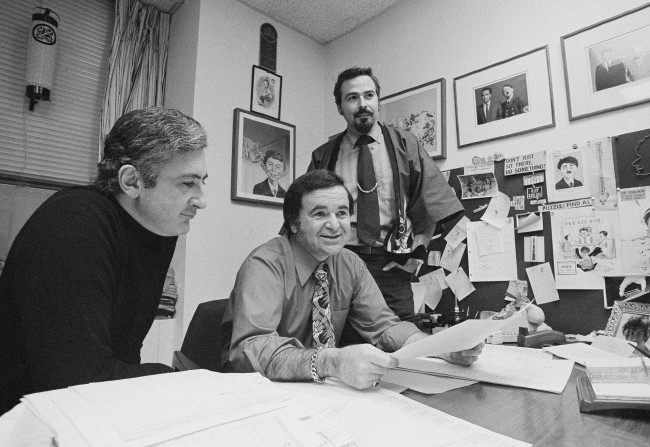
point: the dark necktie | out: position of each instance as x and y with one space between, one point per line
320 310
367 199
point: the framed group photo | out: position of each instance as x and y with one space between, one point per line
607 65
263 158
266 92
420 110
508 98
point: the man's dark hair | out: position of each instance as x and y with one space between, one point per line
352 73
603 232
148 139
507 85
306 183
569 160
489 89
635 324
274 155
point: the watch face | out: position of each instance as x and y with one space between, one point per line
269 33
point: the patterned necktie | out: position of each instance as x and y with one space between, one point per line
367 199
320 312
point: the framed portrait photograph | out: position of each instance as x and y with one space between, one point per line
508 98
263 158
266 92
630 321
607 65
420 110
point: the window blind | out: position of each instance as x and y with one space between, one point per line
58 142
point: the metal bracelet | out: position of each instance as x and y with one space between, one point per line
312 364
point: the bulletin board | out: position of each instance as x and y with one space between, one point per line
577 311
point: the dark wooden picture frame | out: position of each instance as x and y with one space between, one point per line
266 92
261 147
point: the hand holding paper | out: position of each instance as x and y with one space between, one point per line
461 337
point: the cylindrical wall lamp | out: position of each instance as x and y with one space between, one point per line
41 54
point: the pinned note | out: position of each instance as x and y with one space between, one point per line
459 283
436 275
534 249
451 257
434 258
497 211
543 284
457 234
489 240
528 223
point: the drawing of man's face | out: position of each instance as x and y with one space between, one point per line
568 171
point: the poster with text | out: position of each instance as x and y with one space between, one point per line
634 211
586 247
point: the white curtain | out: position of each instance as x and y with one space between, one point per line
138 61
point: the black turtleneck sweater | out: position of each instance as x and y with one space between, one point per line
78 294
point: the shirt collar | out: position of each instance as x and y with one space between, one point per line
306 263
375 133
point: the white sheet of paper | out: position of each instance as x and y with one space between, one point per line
459 284
579 352
436 275
457 234
459 337
496 266
510 369
418 296
530 223
534 249
497 211
434 258
489 240
543 284
614 345
395 420
424 383
451 257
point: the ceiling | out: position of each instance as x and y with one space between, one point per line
321 20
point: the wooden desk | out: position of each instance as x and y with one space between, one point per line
541 418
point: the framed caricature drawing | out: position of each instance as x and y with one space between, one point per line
263 158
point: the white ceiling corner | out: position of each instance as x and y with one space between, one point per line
321 20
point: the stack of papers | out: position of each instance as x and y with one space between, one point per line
620 379
180 408
504 365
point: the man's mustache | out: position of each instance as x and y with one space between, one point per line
363 112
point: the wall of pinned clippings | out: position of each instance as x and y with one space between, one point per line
568 230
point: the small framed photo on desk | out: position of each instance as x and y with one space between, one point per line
630 321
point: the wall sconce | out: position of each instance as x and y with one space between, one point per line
41 53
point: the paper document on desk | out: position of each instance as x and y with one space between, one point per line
462 336
378 417
501 367
154 409
579 352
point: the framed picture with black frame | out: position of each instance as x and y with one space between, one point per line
510 97
420 110
263 158
266 92
607 64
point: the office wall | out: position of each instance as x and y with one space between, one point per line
226 48
419 40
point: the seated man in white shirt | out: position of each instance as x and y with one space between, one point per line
293 295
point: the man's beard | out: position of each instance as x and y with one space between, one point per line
363 127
